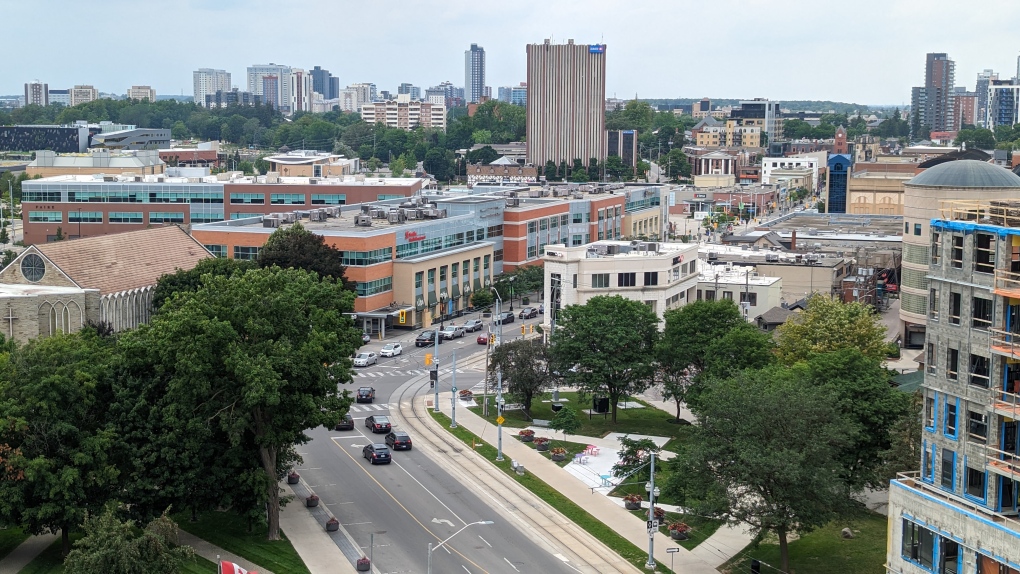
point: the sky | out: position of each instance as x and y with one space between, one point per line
863 51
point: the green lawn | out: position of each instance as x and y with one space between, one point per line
701 527
581 517
10 538
230 532
824 551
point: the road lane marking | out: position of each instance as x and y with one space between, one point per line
442 520
465 568
355 523
485 541
511 564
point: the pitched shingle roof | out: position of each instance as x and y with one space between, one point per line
775 316
122 261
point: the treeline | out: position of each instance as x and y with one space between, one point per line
892 127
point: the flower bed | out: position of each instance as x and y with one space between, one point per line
526 435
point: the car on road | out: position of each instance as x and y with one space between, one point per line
503 318
483 339
398 440
378 424
451 332
365 359
426 338
391 350
528 313
376 454
365 395
365 337
346 423
472 325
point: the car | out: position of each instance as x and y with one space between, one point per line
376 453
391 350
398 440
426 338
483 339
541 309
472 325
504 318
451 332
365 359
365 395
528 313
365 337
378 423
346 423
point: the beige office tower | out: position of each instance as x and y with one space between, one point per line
566 102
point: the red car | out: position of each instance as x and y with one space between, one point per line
483 339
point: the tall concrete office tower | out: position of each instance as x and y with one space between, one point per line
566 102
209 81
37 93
932 103
474 74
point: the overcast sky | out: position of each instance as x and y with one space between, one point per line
864 51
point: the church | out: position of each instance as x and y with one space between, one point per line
59 287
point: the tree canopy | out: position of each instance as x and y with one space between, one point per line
829 325
295 247
524 364
113 546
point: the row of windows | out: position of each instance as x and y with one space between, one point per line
217 250
329 199
246 253
454 269
980 309
642 203
248 198
85 217
978 368
121 217
429 245
975 480
127 196
367 288
983 251
748 297
362 258
166 217
283 198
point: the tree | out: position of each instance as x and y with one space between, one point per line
550 171
482 298
604 347
437 164
764 453
397 167
566 421
484 155
295 247
481 137
112 546
676 165
979 138
593 170
525 367
904 452
262 165
8 256
4 236
635 454
615 168
742 347
827 325
190 280
265 353
60 234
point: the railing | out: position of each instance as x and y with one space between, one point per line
1006 280
1005 341
1003 213
1002 460
912 480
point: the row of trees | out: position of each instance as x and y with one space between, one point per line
199 409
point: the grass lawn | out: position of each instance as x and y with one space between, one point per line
550 495
701 527
230 532
199 565
10 538
572 448
824 551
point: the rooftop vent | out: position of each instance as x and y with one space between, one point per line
362 220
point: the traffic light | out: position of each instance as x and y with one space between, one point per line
492 339
433 377
532 328
428 359
523 329
403 316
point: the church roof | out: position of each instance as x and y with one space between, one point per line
124 261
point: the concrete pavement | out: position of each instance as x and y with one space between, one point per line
25 553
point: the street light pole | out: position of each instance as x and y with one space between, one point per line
438 546
435 363
499 384
453 395
652 493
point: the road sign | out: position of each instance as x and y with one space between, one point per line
500 420
653 525
672 550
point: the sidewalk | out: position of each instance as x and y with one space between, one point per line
214 553
25 553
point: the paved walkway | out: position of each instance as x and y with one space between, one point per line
214 553
25 553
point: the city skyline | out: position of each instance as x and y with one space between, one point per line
883 45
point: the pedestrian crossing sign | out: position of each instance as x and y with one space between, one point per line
500 420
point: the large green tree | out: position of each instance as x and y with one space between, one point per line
191 280
295 247
114 546
604 347
525 368
828 324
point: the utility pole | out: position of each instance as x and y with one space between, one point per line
453 396
435 378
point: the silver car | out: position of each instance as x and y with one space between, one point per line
451 332
365 359
473 325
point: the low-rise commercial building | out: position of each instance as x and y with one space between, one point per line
137 138
502 171
405 113
753 293
879 193
311 163
100 161
770 165
802 274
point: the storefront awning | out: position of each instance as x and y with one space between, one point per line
478 284
455 291
432 298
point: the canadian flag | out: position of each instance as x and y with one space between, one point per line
231 568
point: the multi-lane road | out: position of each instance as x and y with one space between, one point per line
415 500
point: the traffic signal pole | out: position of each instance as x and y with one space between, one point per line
435 377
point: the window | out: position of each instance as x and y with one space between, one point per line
950 424
952 364
45 216
246 253
602 214
286 198
563 220
442 272
933 304
554 222
532 227
917 229
532 252
957 255
386 196
979 370
576 217
955 302
492 231
975 483
454 268
126 217
329 199
248 198
367 288
166 217
84 216
543 224
709 295
950 556
475 263
984 253
982 311
419 279
626 279
363 258
600 281
929 412
936 247
207 217
930 361
217 250
573 281
485 263
749 298
948 469
575 240
918 544
977 427
727 295
651 278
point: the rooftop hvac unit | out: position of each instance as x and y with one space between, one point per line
316 215
612 249
513 202
410 213
395 217
713 256
363 220
313 181
270 222
379 213
301 214
651 246
578 195
288 217
430 213
772 257
366 209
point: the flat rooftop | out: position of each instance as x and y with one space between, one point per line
727 275
342 225
838 223
348 180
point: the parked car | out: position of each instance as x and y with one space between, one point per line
365 337
391 350
365 359
483 339
451 332
378 424
346 423
528 313
504 318
376 454
398 440
541 309
365 395
426 338
472 325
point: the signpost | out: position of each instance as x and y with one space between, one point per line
653 526
671 552
500 420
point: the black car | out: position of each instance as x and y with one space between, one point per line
378 424
503 318
528 313
399 440
365 395
376 454
426 338
346 423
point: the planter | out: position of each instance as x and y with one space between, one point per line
527 438
525 300
293 478
558 457
363 565
632 505
542 446
677 535
312 501
466 395
332 525
556 407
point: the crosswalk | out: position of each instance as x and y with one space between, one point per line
371 407
409 373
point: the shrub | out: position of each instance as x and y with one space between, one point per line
632 498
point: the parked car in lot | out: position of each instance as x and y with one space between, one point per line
365 395
365 337
483 339
346 423
426 338
504 318
365 359
528 313
391 350
451 332
472 325
378 424
398 440
376 454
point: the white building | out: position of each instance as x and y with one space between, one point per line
772 164
349 100
661 275
405 113
62 97
142 93
83 94
366 92
300 91
278 77
37 93
209 81
753 293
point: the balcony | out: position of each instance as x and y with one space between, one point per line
1002 463
1005 403
912 481
1007 284
1005 343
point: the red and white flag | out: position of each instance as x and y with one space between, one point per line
231 568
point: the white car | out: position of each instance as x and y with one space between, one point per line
391 350
451 332
365 359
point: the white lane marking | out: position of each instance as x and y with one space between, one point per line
465 568
448 551
511 564
485 541
561 557
355 523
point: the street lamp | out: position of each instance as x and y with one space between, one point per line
442 311
499 381
510 281
448 539
653 493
